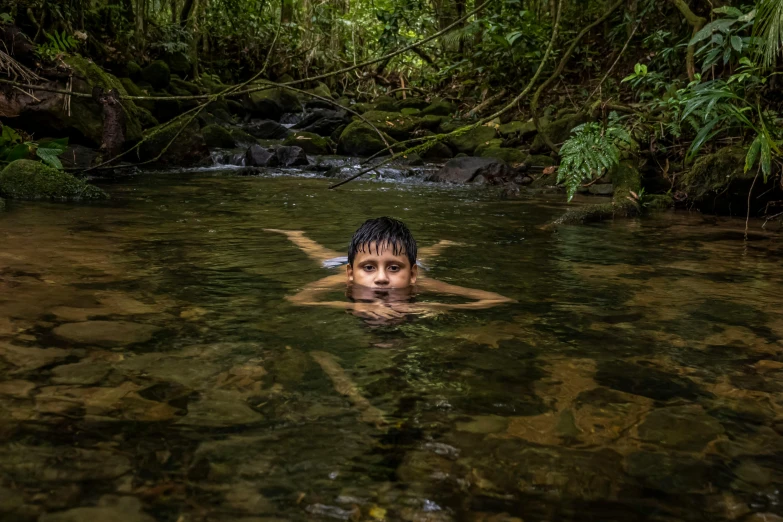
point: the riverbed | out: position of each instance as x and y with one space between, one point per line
151 367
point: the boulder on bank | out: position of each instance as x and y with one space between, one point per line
322 121
187 150
30 180
395 124
272 102
467 142
521 129
439 108
510 156
310 143
157 74
178 63
412 102
385 104
469 169
217 137
717 182
558 131
266 130
359 139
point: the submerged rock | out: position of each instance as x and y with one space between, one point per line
217 409
27 179
473 170
109 509
106 333
310 143
686 428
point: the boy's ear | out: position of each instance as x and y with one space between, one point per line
414 273
349 272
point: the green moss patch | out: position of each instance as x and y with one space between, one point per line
31 180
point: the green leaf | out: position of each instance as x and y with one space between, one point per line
704 135
729 11
720 25
637 69
736 43
21 151
50 150
753 153
9 135
766 157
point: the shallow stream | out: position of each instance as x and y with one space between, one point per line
152 369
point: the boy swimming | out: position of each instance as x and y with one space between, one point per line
382 274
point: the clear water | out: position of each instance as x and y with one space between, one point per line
151 368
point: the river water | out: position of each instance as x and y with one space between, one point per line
152 369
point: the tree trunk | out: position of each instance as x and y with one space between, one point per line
187 8
696 22
286 11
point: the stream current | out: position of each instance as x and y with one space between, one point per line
152 369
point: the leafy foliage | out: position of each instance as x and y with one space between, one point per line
589 153
13 147
768 30
58 43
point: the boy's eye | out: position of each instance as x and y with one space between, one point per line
368 268
394 268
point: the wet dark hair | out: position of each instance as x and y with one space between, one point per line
385 232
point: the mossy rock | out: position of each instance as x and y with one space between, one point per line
558 131
212 86
361 108
395 124
439 108
187 150
713 173
86 115
344 101
469 141
322 90
437 151
146 118
134 70
178 63
412 102
166 110
601 212
273 102
385 104
191 88
309 142
432 122
242 137
510 156
410 111
658 201
27 179
359 139
539 160
496 143
217 137
157 74
523 129
134 90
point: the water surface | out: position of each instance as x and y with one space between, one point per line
151 368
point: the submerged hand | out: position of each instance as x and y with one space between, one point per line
376 310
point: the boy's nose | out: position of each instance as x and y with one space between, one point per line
381 278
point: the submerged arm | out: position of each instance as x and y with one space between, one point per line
433 251
483 298
312 292
314 250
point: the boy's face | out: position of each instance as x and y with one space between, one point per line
381 269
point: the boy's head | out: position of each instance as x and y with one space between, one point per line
382 254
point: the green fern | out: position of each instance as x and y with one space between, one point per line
589 153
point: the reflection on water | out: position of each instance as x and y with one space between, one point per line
151 368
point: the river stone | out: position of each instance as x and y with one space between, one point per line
648 382
395 124
217 137
508 155
110 508
217 408
272 102
106 333
18 389
484 424
686 428
289 156
258 156
26 358
359 139
468 169
323 122
672 474
188 149
34 465
87 372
